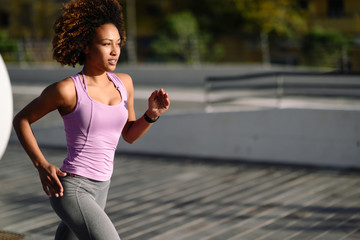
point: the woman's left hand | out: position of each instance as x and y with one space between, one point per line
159 103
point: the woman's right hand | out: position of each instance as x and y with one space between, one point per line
61 96
49 176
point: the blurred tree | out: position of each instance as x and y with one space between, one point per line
32 18
283 17
217 18
182 40
7 46
45 15
325 48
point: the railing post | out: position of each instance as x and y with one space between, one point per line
280 88
207 87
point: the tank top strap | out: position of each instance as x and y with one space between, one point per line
79 85
119 84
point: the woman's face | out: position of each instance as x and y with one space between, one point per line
104 50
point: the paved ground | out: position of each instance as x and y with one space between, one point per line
170 199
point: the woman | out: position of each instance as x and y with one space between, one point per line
97 106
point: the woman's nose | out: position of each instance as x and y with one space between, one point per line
115 50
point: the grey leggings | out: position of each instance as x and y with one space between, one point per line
81 210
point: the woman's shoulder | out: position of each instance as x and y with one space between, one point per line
65 85
125 79
127 82
62 89
59 94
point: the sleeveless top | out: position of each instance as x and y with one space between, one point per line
92 132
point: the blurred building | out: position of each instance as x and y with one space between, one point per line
343 15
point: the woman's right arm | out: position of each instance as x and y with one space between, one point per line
56 96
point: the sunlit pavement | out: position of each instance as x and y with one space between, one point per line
170 198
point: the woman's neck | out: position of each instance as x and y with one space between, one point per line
92 71
95 77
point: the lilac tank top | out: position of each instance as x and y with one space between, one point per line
92 132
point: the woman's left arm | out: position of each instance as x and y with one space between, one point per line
158 103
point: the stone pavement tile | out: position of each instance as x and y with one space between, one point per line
173 198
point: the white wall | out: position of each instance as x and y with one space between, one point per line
329 138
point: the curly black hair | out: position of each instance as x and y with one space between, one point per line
76 27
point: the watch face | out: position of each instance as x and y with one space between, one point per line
6 107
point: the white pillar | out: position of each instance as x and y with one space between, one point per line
6 107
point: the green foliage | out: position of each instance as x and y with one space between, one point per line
32 19
218 17
183 41
183 24
7 46
323 47
284 17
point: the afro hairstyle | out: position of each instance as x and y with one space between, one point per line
76 27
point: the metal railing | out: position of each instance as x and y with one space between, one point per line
277 85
